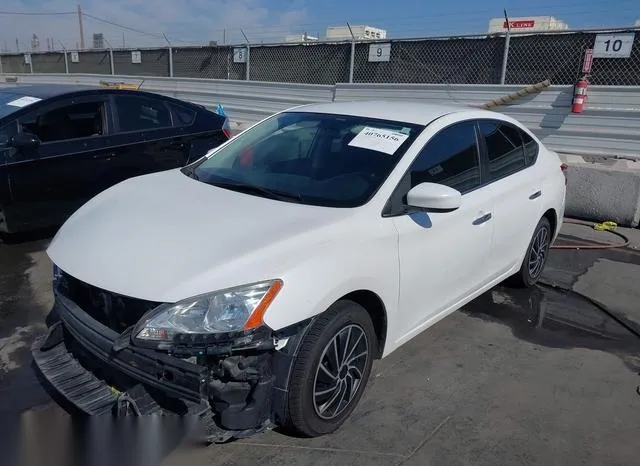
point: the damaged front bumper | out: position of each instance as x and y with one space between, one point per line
238 385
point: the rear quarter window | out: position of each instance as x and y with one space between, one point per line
509 149
182 115
531 149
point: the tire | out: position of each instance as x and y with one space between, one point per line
344 322
538 249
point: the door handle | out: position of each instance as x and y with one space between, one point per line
483 219
535 195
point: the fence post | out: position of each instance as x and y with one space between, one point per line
1 70
66 62
170 62
248 62
113 66
505 57
352 59
30 63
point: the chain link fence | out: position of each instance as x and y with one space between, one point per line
468 60
479 59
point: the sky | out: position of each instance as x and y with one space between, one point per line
142 23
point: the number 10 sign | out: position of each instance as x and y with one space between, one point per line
613 45
379 52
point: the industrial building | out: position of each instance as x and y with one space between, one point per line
360 32
527 24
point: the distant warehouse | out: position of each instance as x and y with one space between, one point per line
359 32
527 24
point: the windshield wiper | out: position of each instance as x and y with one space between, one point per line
265 192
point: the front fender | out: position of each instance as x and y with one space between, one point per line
341 268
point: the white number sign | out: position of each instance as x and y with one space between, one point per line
613 45
136 56
75 57
240 55
379 52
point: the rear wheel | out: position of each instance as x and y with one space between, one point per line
331 370
536 257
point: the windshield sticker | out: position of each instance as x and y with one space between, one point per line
23 101
381 140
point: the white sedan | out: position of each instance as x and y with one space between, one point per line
257 285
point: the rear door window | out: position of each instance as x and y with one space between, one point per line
505 149
141 113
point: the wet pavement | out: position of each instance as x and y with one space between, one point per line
542 376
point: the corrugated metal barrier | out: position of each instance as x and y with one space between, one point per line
609 126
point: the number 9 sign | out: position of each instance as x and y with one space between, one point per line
379 52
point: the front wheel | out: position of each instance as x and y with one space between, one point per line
331 370
536 257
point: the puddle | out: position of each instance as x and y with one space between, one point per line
25 299
557 319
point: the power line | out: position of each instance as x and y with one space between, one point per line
106 21
26 13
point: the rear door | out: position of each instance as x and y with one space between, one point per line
517 186
146 138
8 129
50 182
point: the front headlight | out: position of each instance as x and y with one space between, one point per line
230 310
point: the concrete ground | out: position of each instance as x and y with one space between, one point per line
516 377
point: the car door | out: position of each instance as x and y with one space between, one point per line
443 254
147 140
8 129
517 187
50 181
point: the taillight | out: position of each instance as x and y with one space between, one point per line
564 167
226 128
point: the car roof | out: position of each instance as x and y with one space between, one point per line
45 91
421 113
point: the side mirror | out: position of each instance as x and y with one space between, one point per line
433 196
24 141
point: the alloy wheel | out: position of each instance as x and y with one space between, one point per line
340 371
538 253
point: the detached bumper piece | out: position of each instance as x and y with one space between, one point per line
91 370
68 378
79 390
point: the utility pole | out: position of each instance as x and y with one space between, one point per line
81 27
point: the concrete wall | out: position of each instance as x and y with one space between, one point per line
601 191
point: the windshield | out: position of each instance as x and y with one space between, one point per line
10 102
311 158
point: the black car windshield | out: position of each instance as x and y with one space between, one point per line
311 158
10 102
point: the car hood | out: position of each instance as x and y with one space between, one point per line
166 237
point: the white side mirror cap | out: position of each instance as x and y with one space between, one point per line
434 196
